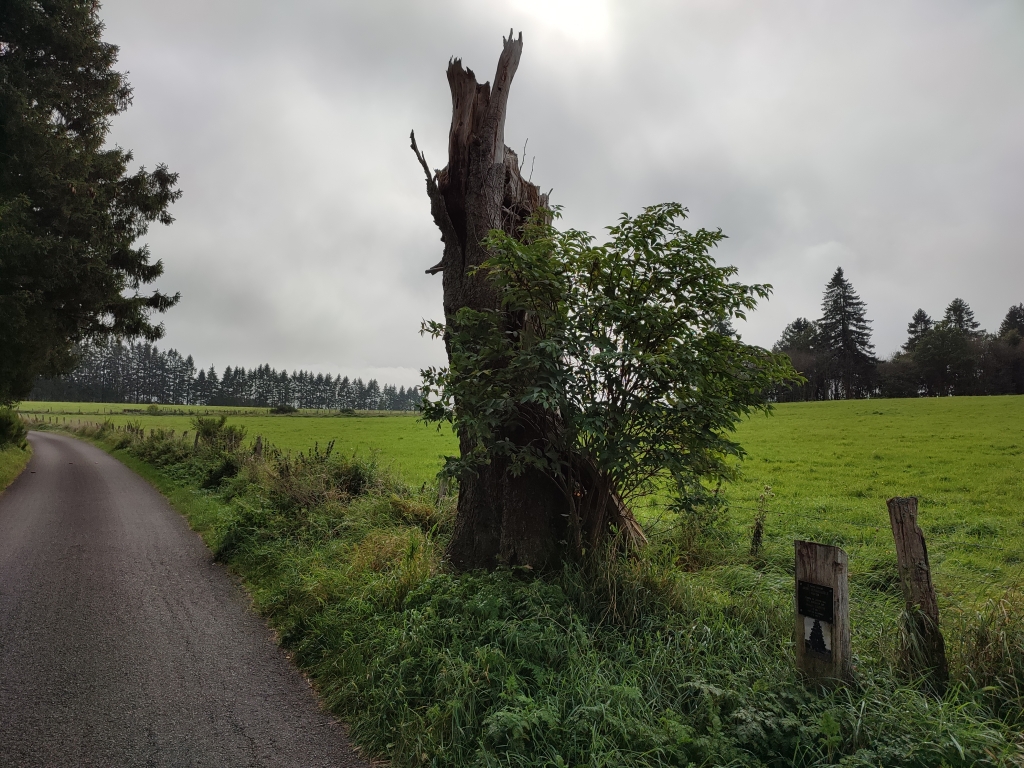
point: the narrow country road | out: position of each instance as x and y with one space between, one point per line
123 644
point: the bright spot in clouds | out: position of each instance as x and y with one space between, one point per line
582 21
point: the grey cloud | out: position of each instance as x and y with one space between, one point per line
877 136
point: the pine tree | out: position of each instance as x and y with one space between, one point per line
1014 321
960 317
115 372
799 336
918 326
844 337
70 213
212 387
799 341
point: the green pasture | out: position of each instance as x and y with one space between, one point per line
415 449
830 465
678 655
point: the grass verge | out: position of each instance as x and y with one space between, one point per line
15 451
12 461
680 655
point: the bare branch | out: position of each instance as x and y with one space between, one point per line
421 157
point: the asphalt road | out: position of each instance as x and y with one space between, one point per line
123 644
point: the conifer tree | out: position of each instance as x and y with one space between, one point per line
918 326
70 213
800 336
1014 321
799 341
960 317
212 387
844 337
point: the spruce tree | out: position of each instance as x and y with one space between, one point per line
70 213
799 336
960 317
1014 321
918 326
799 341
844 338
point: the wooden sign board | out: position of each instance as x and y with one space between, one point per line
822 612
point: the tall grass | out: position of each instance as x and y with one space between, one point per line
14 450
679 654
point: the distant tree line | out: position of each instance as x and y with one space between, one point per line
115 372
949 356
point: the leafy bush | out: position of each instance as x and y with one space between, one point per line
612 369
283 409
215 431
227 467
12 428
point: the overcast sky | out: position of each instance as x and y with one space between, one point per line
884 137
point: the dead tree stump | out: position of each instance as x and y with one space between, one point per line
501 519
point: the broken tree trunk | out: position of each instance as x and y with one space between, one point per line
501 519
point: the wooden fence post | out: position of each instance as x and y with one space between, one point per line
258 449
926 650
822 612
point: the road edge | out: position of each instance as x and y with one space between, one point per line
199 511
13 460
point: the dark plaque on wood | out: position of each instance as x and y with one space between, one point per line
815 601
822 612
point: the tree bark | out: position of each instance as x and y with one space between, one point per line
501 519
926 647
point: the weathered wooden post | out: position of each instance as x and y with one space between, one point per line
258 449
822 612
926 649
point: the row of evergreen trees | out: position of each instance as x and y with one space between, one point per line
951 356
140 373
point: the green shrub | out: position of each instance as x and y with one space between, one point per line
215 431
12 428
227 467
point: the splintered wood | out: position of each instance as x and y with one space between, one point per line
822 600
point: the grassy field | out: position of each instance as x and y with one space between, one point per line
831 466
681 654
414 448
